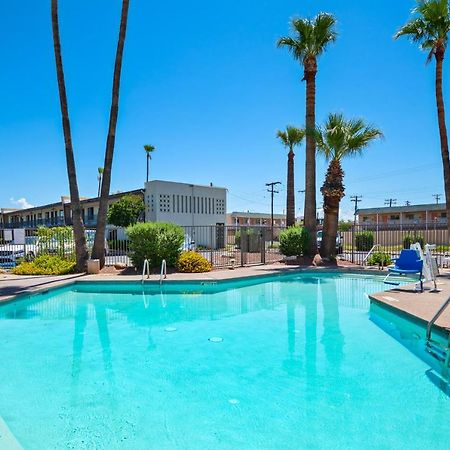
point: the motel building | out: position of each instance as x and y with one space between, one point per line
200 207
428 215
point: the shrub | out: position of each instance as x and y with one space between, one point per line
293 241
193 262
364 241
45 265
155 241
412 239
56 241
126 211
379 258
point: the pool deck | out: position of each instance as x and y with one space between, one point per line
419 306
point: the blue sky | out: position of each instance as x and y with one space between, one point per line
204 82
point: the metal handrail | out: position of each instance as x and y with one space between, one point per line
163 271
370 252
146 266
436 317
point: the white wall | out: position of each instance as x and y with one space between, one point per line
184 204
187 205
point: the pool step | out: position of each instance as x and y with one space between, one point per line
438 351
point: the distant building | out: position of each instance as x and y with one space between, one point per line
404 215
185 204
255 218
56 214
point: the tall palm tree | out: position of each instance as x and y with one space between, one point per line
311 38
149 149
430 29
290 138
337 139
98 250
99 179
77 219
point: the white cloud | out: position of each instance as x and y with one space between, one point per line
22 203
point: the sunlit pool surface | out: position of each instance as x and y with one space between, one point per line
289 362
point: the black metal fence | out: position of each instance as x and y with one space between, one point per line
223 245
363 241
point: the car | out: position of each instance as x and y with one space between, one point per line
339 241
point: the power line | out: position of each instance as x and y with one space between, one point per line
390 201
272 191
437 197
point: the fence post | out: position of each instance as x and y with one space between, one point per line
353 244
211 244
243 243
263 245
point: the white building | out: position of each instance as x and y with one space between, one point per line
189 205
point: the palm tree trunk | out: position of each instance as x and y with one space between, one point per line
310 155
443 134
330 227
148 163
290 197
77 221
333 191
98 251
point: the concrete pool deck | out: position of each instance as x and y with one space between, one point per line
419 306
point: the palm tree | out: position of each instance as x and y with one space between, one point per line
337 139
311 38
98 250
77 220
430 29
290 138
99 178
149 149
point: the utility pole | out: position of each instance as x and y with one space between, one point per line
390 201
356 199
407 203
272 191
437 197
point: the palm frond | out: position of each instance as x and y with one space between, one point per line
311 36
292 137
430 26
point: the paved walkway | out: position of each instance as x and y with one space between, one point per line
419 305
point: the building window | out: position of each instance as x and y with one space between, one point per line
443 215
90 213
395 217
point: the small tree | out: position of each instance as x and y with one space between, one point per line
126 211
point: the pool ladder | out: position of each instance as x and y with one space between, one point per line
146 271
434 348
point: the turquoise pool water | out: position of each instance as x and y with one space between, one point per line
301 363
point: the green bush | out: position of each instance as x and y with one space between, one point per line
364 241
45 265
293 241
379 259
126 211
155 241
412 239
56 241
193 262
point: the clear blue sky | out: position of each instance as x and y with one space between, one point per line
204 82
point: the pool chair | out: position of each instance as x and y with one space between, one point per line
408 263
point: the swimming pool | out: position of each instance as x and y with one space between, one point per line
298 363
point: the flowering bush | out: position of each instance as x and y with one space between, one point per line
192 262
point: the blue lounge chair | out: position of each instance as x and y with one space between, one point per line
408 263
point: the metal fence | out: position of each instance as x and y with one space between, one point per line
362 241
223 245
